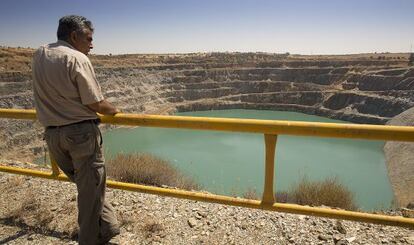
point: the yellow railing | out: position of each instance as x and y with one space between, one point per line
270 129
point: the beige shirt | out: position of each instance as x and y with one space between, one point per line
64 82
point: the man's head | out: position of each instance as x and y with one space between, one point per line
76 30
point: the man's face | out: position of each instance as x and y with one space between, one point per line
82 41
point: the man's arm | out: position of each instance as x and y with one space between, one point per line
103 107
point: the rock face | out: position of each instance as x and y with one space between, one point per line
400 161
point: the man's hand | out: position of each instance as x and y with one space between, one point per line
103 107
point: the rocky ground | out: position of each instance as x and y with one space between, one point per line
38 211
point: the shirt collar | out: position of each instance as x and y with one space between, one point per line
64 43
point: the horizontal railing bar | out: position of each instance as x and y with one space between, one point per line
240 202
316 129
18 113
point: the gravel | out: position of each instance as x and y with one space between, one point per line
151 219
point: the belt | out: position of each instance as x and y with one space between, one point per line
94 121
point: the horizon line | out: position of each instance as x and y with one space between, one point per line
223 52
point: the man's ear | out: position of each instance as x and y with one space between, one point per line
73 36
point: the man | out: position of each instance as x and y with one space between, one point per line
67 97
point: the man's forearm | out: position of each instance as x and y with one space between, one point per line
103 107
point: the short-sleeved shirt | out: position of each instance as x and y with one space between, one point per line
64 82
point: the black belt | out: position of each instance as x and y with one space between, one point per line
95 121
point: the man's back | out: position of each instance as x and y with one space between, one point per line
63 83
67 98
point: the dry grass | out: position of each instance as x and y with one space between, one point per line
251 193
35 215
282 196
148 170
12 182
31 213
147 226
329 192
152 228
126 219
66 220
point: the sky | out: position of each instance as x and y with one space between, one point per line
185 26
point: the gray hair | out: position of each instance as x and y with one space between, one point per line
70 23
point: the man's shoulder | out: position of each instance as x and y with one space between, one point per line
61 48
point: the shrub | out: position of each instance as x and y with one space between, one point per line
329 192
282 196
148 170
251 194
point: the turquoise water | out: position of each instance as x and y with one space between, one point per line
231 163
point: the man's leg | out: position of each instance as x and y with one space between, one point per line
83 143
61 156
109 226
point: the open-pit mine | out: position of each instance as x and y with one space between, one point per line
363 88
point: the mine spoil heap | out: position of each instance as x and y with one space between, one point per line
364 88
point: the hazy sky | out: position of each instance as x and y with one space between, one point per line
161 26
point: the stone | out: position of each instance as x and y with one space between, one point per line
410 239
408 213
350 239
202 214
323 237
192 222
342 242
340 228
336 238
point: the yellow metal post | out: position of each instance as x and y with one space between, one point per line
55 168
270 147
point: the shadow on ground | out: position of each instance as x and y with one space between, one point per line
26 229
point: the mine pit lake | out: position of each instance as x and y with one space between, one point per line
232 163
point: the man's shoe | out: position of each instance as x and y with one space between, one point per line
105 238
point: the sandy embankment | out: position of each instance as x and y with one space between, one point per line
400 161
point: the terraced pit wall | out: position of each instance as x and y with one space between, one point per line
359 88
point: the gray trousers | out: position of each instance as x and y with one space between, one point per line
77 150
